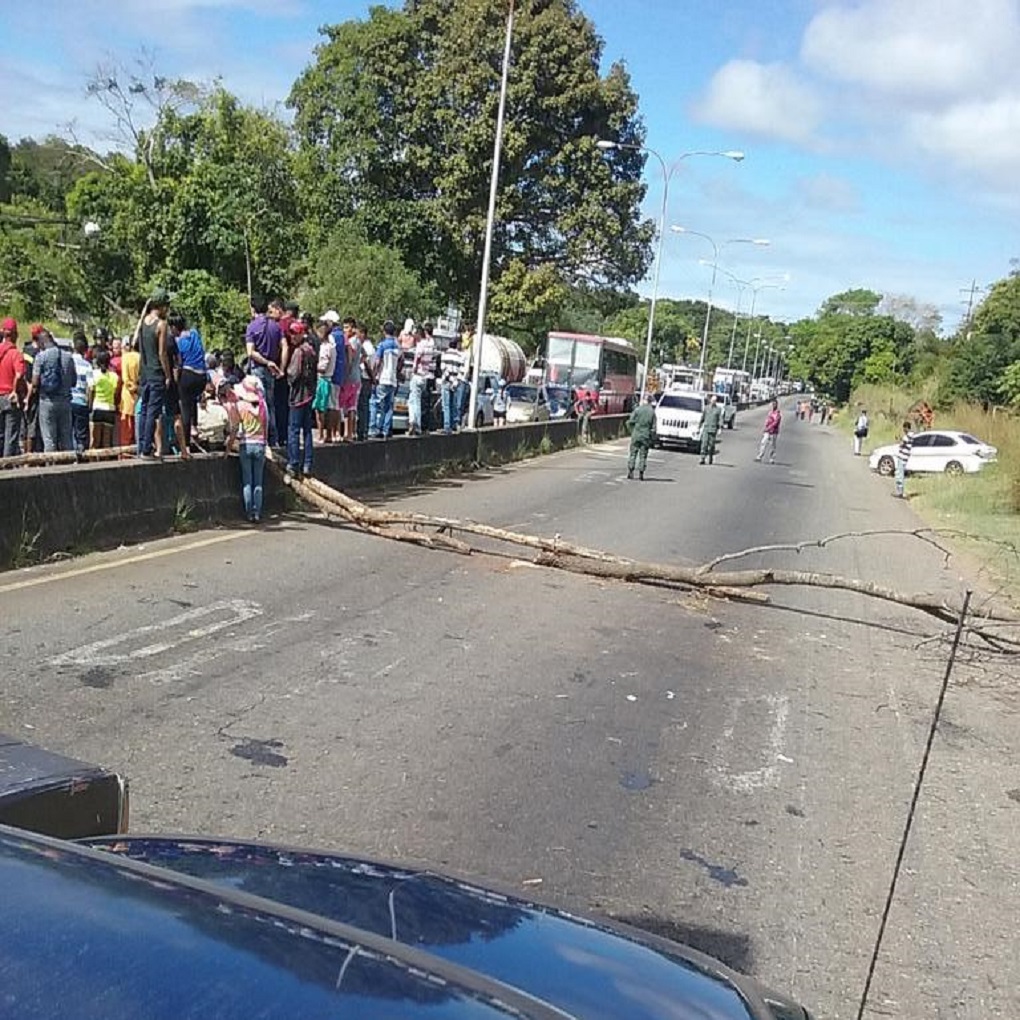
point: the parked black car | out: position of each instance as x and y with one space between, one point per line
138 927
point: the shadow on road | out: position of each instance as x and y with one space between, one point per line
733 949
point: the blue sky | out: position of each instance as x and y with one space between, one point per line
882 137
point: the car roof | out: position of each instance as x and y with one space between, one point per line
186 927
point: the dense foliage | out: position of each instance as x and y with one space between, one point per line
373 200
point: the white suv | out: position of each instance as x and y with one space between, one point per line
678 418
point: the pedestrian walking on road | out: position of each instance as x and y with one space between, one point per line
770 434
248 433
902 456
860 431
711 419
642 434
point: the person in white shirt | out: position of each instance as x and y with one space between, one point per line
424 367
860 432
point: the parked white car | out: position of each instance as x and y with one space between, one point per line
940 450
678 418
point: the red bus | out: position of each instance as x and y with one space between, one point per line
602 366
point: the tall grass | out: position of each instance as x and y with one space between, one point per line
985 505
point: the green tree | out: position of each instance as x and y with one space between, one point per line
851 302
980 356
395 121
673 337
367 280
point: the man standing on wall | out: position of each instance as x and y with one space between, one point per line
263 340
156 372
12 389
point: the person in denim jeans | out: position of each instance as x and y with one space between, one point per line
387 356
423 369
451 366
264 341
156 370
302 367
248 417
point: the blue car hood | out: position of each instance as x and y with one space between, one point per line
571 965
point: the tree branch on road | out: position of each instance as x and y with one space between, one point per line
732 584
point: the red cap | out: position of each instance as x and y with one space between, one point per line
37 329
297 328
9 326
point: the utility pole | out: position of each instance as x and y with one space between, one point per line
970 291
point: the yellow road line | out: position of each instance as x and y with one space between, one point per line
127 561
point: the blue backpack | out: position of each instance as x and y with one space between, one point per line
340 371
51 374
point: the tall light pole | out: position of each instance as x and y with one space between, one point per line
716 248
667 173
741 285
483 296
756 285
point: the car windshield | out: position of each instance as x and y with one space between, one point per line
527 393
683 403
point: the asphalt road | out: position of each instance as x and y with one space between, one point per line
735 776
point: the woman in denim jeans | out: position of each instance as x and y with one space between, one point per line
249 427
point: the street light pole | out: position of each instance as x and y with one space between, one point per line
716 248
667 174
755 286
483 296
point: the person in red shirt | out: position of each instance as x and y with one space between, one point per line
13 387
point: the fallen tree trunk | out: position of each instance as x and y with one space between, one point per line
559 554
39 459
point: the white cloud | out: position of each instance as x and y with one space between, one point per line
766 99
980 137
917 50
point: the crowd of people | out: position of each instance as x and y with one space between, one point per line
303 380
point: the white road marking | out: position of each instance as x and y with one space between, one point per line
124 647
767 775
112 564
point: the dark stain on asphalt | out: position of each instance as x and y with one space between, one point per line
792 809
713 624
183 603
502 749
1014 795
727 877
637 780
261 752
98 677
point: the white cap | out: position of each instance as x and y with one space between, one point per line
332 317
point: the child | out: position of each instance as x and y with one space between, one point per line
102 390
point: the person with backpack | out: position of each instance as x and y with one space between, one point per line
301 365
860 431
53 377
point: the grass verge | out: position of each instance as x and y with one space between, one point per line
985 505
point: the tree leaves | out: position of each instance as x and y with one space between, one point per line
398 113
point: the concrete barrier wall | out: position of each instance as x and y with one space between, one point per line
79 508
